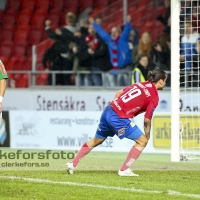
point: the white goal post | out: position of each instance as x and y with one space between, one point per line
175 82
185 80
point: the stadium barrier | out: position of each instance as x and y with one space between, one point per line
57 130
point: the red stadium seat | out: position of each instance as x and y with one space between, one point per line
24 27
118 16
149 24
84 4
113 1
22 81
161 10
101 4
110 26
6 35
56 6
4 59
63 18
20 35
8 21
42 79
44 35
42 4
71 6
39 67
28 64
26 12
1 13
55 20
12 12
132 9
23 19
139 14
105 13
19 50
5 50
118 5
95 13
34 37
28 4
44 45
142 3
17 77
11 63
7 43
130 2
13 5
41 12
37 21
19 65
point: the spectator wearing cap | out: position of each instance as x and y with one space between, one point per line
120 54
97 58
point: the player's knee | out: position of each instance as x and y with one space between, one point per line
97 141
142 141
145 141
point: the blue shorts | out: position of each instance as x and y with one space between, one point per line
111 124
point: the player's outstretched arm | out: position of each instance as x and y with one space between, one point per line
147 127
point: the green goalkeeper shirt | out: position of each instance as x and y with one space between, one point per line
3 73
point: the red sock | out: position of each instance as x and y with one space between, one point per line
132 156
82 152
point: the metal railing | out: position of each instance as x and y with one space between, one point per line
32 79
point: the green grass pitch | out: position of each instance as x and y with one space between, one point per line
96 179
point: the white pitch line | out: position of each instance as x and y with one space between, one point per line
170 192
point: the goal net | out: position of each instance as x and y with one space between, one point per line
189 79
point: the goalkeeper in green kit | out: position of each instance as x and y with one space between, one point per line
3 77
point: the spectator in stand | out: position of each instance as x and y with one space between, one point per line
185 13
162 48
100 57
83 27
195 20
145 46
80 64
51 63
196 64
61 36
140 71
94 57
133 38
163 52
187 50
97 58
166 19
120 54
187 45
99 21
71 26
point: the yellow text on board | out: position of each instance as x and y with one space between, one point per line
190 131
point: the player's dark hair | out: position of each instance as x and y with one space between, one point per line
155 75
